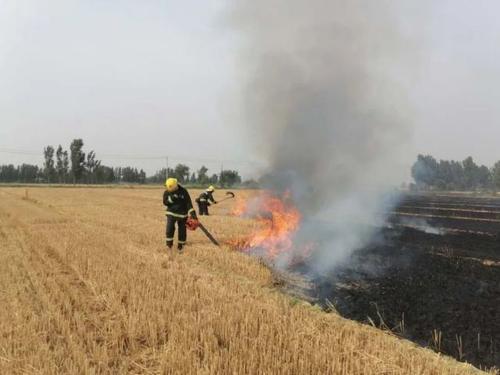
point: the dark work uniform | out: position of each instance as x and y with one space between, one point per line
179 206
204 201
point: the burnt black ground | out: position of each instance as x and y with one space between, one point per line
424 286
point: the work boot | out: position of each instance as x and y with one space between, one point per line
170 244
180 248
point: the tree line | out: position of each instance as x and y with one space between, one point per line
78 167
429 173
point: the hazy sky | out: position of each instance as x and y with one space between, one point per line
457 98
153 78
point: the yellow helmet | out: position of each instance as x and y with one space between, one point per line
171 184
211 189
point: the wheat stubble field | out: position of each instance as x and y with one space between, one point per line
86 287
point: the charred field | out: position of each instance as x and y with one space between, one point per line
432 275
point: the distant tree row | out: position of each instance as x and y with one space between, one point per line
76 166
25 173
454 175
183 173
83 168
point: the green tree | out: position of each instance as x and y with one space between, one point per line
29 173
142 177
104 175
128 174
160 176
229 178
118 174
9 173
496 175
451 174
48 164
62 164
192 180
484 177
92 164
471 173
181 173
425 170
65 161
59 164
77 160
443 177
203 178
457 175
214 180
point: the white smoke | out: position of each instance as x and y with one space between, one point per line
421 224
325 105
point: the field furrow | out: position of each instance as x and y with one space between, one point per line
88 287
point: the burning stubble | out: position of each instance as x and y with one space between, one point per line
325 106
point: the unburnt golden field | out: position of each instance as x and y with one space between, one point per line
86 287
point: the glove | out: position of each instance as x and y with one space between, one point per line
193 215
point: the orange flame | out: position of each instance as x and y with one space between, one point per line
278 219
240 207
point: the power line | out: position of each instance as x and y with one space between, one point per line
144 157
20 152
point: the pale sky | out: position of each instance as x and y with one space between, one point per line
457 99
153 78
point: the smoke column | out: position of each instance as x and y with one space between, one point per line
325 106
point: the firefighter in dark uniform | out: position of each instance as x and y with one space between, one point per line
179 207
204 200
